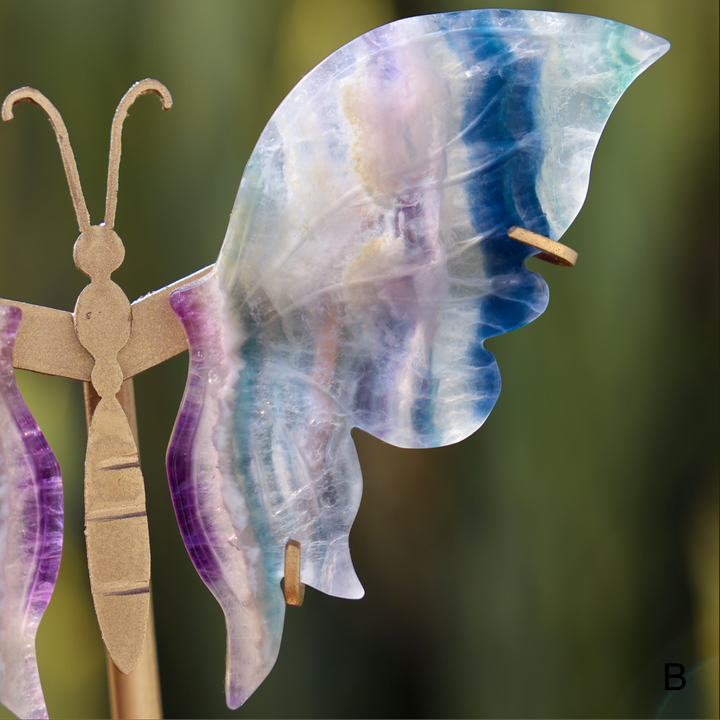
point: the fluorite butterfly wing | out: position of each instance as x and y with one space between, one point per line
31 533
366 262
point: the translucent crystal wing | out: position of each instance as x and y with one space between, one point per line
366 262
31 527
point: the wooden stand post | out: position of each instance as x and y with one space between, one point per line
137 694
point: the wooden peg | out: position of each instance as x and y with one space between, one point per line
294 589
551 251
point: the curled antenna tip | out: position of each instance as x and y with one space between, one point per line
7 113
150 85
16 96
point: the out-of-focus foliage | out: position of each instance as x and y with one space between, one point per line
548 566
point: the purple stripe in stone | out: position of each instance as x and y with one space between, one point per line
194 529
48 509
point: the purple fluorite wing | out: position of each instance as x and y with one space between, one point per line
31 529
366 262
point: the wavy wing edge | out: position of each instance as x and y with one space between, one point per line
31 532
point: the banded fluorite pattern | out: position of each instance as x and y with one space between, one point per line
366 262
31 531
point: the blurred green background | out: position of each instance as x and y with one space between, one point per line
548 566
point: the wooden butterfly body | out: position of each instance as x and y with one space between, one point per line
366 262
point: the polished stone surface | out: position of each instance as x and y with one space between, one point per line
31 531
366 262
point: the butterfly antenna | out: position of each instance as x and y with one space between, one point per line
35 96
139 88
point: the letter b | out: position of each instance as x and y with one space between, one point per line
680 675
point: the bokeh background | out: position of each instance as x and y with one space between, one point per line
548 566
